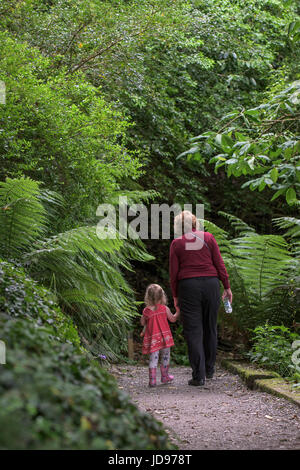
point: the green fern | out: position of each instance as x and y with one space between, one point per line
229 257
293 232
221 236
22 216
261 270
263 261
84 272
133 196
239 225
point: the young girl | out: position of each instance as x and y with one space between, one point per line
157 335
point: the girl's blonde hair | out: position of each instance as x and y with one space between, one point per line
185 222
155 295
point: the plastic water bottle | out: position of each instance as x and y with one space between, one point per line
227 305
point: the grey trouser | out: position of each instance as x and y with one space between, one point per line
164 358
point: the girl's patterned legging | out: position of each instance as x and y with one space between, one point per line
164 358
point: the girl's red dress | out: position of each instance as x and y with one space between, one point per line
158 334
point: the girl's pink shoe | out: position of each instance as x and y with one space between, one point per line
152 377
165 377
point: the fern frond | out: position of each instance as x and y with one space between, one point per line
52 202
263 262
262 272
133 196
239 225
83 270
85 273
23 218
293 232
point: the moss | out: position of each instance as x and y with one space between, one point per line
247 372
262 379
279 387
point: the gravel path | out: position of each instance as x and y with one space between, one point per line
224 414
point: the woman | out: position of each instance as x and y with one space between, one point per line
196 265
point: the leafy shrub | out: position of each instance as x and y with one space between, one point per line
261 142
57 128
272 348
21 296
264 273
51 395
83 270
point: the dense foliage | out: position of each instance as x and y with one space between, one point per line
58 129
102 99
261 142
273 348
264 275
52 396
172 68
83 270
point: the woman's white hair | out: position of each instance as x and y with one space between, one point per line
185 222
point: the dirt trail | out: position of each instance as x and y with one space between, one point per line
223 415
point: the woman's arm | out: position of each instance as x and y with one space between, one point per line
143 320
220 266
173 271
218 262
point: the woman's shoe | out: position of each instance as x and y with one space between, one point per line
210 373
165 377
197 383
152 377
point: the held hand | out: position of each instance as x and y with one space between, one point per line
227 293
176 306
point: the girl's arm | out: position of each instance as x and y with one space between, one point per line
142 333
172 318
143 321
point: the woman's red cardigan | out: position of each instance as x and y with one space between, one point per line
186 263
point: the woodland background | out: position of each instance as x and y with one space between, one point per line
161 101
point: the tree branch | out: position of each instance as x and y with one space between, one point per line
107 48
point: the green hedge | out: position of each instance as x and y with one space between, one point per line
21 296
51 395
